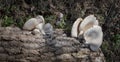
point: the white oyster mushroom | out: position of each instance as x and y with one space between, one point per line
36 31
59 15
87 23
59 18
94 37
48 28
75 27
31 23
40 19
40 27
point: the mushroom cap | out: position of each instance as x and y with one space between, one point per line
33 22
88 22
48 28
30 24
61 15
36 31
40 19
40 27
94 37
75 27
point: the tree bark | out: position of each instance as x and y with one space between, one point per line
22 46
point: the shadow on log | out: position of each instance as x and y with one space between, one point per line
22 46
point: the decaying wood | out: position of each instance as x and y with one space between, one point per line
22 46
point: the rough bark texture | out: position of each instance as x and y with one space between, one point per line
22 46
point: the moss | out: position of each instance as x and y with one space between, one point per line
50 19
116 40
7 21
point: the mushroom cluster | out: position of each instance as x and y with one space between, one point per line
37 25
90 30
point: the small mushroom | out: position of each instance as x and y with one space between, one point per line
75 27
40 27
94 37
59 18
30 24
36 31
33 22
48 29
87 23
